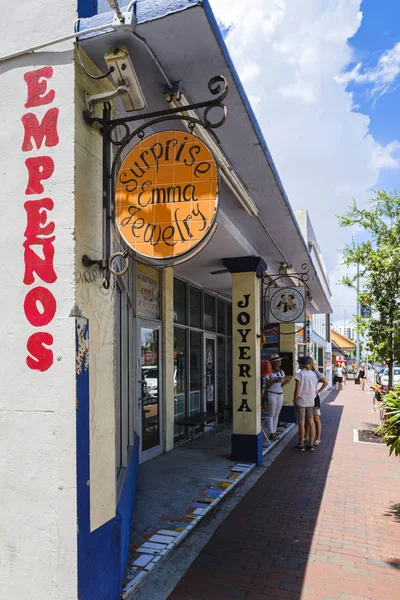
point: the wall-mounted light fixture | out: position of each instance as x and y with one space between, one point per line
126 82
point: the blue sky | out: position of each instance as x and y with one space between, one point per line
324 84
379 32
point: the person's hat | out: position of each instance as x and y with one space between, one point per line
275 357
305 360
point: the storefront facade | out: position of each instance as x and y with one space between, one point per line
99 375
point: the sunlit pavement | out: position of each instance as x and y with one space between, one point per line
322 525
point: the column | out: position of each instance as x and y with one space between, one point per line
287 344
246 435
168 356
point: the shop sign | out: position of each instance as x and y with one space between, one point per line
40 305
244 327
147 292
365 310
166 196
287 305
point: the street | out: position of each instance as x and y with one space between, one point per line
321 525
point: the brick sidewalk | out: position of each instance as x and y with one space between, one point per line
317 526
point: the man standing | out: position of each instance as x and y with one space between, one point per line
304 397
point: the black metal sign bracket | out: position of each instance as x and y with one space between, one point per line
117 135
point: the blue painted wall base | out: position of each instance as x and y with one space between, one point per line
87 8
247 448
102 553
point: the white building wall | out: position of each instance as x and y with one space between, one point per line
95 302
37 408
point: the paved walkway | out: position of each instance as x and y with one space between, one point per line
321 525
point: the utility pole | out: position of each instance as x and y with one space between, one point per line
358 315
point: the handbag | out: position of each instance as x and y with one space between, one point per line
357 381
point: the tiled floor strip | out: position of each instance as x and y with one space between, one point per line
158 545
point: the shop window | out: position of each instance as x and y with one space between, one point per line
180 302
179 376
147 292
196 372
271 342
221 326
209 312
229 319
221 374
195 307
229 373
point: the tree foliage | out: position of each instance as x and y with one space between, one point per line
379 262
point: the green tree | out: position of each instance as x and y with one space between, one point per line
379 262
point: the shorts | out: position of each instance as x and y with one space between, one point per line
317 412
337 379
303 412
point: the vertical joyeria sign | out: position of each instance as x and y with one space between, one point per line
166 196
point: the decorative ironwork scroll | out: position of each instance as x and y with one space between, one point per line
270 282
118 134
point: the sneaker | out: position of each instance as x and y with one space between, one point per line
299 447
310 448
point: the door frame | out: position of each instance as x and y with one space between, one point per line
156 450
211 336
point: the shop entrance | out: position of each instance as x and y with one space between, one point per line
210 372
149 389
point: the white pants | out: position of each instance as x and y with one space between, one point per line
275 402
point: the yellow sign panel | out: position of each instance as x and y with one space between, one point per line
166 195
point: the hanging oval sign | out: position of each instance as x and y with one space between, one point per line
166 195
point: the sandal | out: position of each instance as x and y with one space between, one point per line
317 442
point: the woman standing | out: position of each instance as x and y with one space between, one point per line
362 376
317 405
274 384
338 376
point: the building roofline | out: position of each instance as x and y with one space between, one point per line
147 11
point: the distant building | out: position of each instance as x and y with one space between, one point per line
347 331
317 340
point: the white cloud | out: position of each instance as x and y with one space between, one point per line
386 157
322 147
382 76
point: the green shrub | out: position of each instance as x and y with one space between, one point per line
390 428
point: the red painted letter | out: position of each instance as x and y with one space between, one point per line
37 86
36 317
43 267
36 217
42 356
38 131
39 168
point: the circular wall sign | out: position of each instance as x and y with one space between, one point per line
166 195
286 304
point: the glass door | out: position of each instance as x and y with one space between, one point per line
149 390
210 359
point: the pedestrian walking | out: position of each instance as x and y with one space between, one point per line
317 406
304 399
344 373
338 376
274 384
362 376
